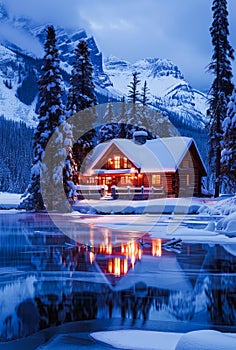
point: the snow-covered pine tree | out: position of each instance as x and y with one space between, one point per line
16 148
228 154
82 97
133 93
110 130
146 121
70 168
133 120
123 119
137 116
221 88
144 94
81 92
51 115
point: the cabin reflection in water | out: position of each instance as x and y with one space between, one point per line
116 261
58 280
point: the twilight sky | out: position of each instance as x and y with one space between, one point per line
136 29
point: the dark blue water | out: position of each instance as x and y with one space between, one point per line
104 279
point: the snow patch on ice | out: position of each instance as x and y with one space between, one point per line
150 340
9 200
207 340
139 340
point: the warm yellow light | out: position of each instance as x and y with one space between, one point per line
125 266
132 261
156 247
109 248
117 267
139 254
109 266
91 257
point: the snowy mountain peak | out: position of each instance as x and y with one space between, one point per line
157 67
168 90
151 67
20 67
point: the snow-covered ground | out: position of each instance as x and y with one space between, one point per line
219 207
9 200
215 221
210 220
150 340
186 205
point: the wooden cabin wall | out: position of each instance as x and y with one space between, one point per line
189 176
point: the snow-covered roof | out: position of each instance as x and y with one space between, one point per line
159 155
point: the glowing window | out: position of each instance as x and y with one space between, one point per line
117 162
125 163
156 179
187 179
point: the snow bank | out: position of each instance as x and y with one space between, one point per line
207 340
227 207
222 207
151 340
152 206
9 200
227 225
139 340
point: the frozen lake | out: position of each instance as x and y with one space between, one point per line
88 277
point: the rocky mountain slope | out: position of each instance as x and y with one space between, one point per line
168 89
21 52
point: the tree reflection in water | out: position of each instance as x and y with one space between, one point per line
84 299
76 282
221 286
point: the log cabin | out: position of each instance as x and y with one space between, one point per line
172 164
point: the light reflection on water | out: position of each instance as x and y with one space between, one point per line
48 279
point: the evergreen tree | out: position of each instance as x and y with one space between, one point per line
82 97
51 115
228 154
133 113
70 168
123 119
221 88
110 130
144 94
133 93
16 148
81 92
137 115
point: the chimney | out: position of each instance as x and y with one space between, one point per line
140 137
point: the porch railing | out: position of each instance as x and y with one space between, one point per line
121 192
